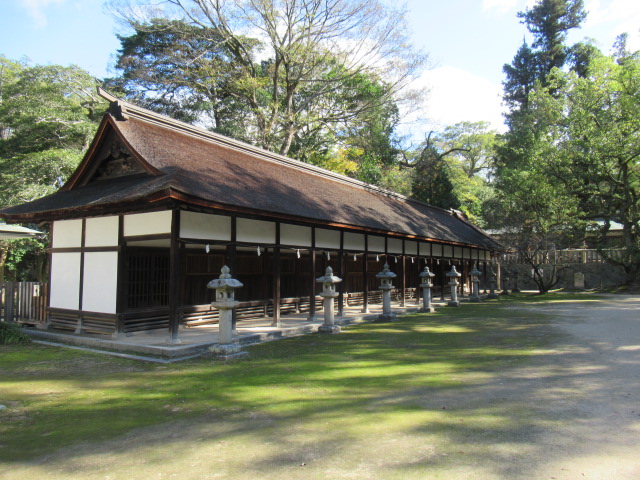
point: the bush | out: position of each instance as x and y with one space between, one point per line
10 333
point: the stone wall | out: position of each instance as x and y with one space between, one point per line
596 275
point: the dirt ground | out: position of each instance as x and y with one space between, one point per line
570 413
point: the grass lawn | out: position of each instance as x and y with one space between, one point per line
385 401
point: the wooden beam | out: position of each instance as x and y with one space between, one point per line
174 277
276 322
312 283
365 275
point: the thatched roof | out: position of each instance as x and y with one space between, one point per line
172 162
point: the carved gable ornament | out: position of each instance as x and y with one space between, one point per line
116 161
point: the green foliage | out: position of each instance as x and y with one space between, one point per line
27 260
593 144
279 75
11 334
48 115
549 21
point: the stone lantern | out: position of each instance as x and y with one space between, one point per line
514 274
492 284
225 302
329 281
475 284
425 284
386 286
453 283
505 282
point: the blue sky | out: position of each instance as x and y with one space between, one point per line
468 42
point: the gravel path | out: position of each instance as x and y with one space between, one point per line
592 385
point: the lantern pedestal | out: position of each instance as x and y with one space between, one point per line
492 285
225 302
329 281
453 283
386 276
426 285
475 284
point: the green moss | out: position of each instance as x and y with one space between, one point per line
371 377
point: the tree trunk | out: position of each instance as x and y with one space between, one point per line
3 258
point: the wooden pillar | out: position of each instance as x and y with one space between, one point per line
276 322
174 277
312 284
123 280
231 261
81 289
341 263
365 273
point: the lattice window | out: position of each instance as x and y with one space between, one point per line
148 280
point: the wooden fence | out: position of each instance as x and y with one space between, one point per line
577 255
24 302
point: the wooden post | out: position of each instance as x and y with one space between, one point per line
312 283
276 322
343 275
365 274
231 263
9 304
122 282
81 290
174 280
403 267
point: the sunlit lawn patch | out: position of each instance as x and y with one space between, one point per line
371 377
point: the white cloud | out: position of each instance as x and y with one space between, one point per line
610 18
500 6
455 96
36 9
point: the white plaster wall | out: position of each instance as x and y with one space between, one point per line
102 232
327 238
295 235
457 252
487 255
394 245
436 250
375 244
447 251
147 223
67 233
467 253
100 282
410 247
65 280
257 231
204 226
353 241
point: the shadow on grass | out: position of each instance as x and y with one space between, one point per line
472 380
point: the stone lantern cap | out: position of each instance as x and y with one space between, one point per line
385 273
426 274
453 273
475 272
328 277
225 281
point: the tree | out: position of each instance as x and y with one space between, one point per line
593 148
549 21
432 175
284 67
48 116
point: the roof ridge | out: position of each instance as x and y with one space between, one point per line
123 109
